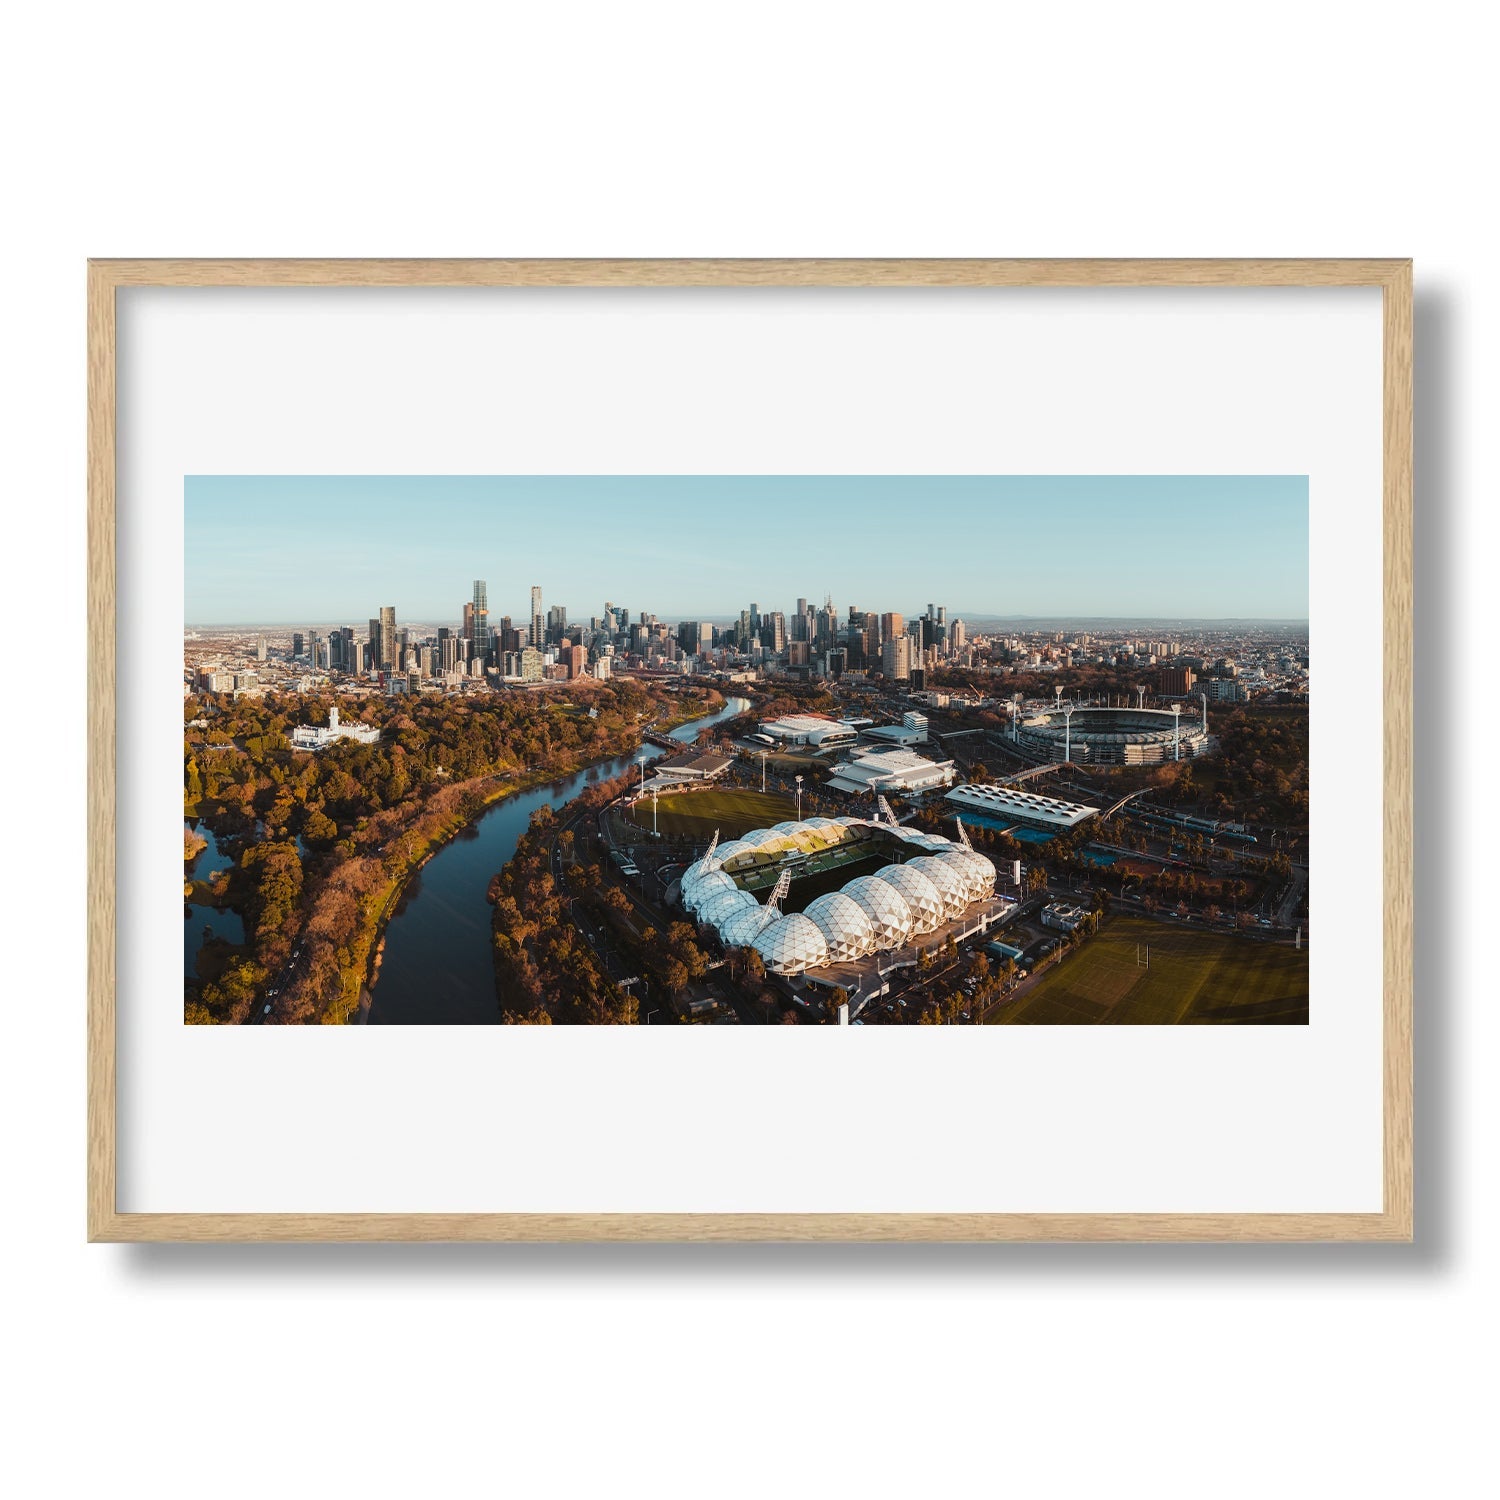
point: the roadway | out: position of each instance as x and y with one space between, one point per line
265 1009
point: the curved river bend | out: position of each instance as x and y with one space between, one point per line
436 969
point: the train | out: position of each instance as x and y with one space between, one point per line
1214 827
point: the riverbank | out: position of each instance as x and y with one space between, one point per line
359 979
438 964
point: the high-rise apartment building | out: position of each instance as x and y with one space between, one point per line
481 617
895 657
827 624
538 630
891 625
388 643
695 637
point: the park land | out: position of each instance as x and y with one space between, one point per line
1137 972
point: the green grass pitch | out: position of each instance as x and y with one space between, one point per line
1195 978
729 809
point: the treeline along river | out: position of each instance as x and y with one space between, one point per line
436 969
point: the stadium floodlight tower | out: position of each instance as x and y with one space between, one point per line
799 799
1015 718
885 810
654 833
1068 732
762 770
1140 695
640 760
1204 696
1176 731
1058 691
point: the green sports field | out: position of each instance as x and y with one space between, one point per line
1193 978
731 810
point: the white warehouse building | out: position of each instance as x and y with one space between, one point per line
816 731
878 771
1003 803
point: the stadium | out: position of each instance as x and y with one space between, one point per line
1113 736
876 886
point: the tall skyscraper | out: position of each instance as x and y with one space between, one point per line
538 625
481 617
895 657
387 637
891 625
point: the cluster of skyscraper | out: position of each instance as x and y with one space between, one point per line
546 646
823 643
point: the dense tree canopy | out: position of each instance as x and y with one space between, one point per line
323 842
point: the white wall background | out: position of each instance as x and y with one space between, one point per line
777 129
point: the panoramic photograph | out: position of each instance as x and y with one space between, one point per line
746 750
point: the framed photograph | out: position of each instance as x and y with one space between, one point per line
914 655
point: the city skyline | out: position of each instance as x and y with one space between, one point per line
279 550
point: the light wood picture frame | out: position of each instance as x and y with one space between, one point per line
1395 1220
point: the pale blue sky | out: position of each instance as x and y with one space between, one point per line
331 549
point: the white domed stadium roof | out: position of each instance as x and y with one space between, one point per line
792 944
890 916
845 925
952 885
758 836
981 871
704 886
743 926
966 874
922 896
719 906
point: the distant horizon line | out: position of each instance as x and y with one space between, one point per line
714 619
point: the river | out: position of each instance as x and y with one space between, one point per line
203 921
436 969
